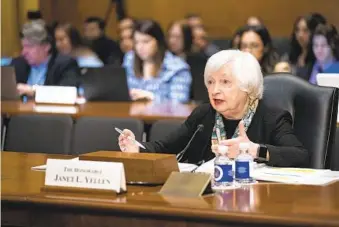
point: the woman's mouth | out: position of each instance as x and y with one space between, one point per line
218 101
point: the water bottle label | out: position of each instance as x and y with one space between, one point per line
242 170
223 173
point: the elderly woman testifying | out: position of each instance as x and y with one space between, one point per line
235 85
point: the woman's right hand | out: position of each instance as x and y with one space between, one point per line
127 142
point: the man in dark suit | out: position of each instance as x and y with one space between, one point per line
37 65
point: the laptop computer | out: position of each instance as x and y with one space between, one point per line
108 83
8 84
328 79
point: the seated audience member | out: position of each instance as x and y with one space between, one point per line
236 38
180 39
325 43
194 21
301 55
69 42
38 66
201 42
257 41
284 66
126 40
106 49
152 72
235 86
254 21
126 23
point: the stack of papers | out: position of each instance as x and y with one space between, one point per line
296 175
262 172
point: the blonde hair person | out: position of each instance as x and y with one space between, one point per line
235 86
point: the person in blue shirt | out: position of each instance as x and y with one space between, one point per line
153 73
325 44
38 64
69 42
4 61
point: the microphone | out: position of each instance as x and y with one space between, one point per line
180 155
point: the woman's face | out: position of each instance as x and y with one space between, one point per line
145 46
224 93
175 39
252 43
321 49
302 33
62 41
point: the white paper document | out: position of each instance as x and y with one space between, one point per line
262 172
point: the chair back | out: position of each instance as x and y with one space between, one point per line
314 112
49 134
97 133
161 129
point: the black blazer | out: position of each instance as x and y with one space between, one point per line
269 126
62 70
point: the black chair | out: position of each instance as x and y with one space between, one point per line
335 156
97 133
161 129
223 43
281 44
39 134
314 111
198 89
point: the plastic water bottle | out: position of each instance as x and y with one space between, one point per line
223 174
81 95
243 164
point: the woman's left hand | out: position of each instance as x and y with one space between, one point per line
233 144
138 94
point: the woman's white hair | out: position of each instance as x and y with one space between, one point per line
245 68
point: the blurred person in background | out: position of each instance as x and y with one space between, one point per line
180 42
254 21
69 42
325 44
38 65
180 39
126 23
202 44
236 38
301 54
194 21
257 41
107 50
126 28
126 40
154 73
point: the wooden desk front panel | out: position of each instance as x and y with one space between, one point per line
148 112
271 204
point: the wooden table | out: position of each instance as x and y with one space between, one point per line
148 112
24 204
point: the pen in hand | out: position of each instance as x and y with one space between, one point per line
135 141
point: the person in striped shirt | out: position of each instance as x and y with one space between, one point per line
153 73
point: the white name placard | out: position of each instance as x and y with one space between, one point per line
86 174
56 94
